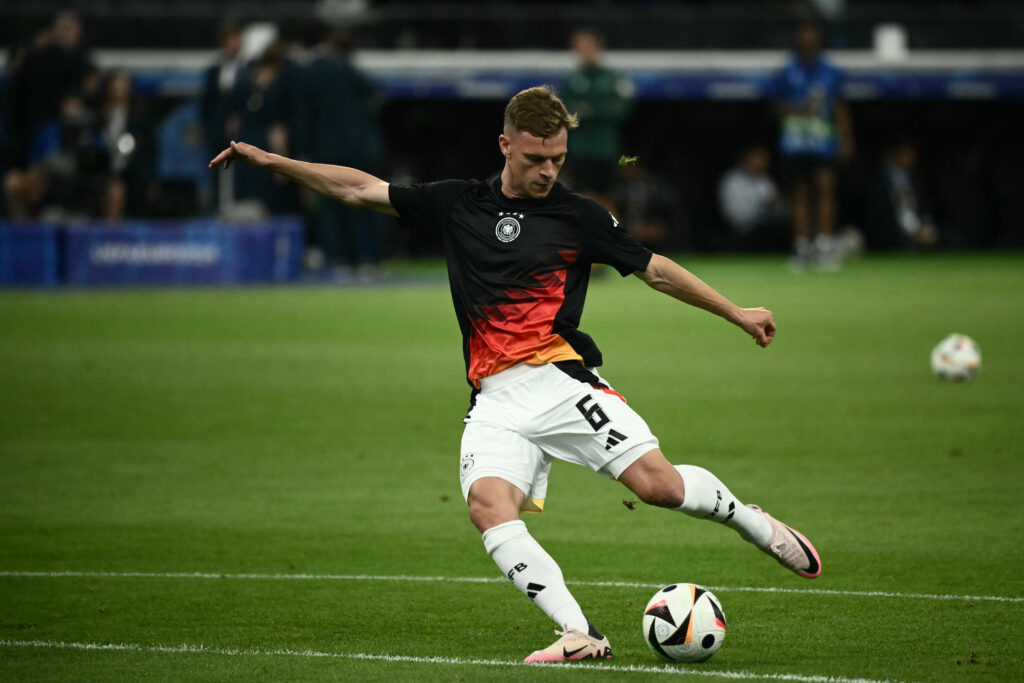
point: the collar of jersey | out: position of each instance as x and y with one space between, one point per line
518 202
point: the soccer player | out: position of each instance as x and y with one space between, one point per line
519 248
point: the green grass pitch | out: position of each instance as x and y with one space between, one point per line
298 447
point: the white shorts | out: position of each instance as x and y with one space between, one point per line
527 415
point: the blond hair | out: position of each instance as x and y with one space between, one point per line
538 111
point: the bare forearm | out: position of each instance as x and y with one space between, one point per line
345 184
349 186
665 275
668 277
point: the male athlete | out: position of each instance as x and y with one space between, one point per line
519 249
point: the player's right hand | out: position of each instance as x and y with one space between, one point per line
250 154
759 323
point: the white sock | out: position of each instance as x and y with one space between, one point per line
534 572
706 497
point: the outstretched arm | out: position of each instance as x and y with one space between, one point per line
665 275
350 186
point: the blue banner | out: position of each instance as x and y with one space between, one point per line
658 75
753 84
28 254
875 82
194 252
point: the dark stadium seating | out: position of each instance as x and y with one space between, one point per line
697 24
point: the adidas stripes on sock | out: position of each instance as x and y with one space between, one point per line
708 498
534 572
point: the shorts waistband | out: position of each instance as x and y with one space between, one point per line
507 377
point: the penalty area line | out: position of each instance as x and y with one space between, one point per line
449 661
480 579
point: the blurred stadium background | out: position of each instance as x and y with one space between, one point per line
424 100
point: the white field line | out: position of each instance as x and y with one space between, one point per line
478 579
451 661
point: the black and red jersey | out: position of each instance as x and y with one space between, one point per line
519 268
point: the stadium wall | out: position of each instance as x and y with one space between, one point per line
202 251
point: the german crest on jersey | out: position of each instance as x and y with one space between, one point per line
508 227
467 464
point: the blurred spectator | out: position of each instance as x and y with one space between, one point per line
896 211
341 128
88 162
15 58
603 100
23 192
267 98
67 163
53 65
215 98
218 85
129 139
648 205
815 133
751 205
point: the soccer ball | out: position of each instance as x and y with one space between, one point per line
684 623
956 358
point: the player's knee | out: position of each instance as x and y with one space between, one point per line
486 513
493 501
480 514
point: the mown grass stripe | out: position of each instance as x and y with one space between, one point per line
450 661
479 579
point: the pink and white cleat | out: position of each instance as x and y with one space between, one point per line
791 548
573 646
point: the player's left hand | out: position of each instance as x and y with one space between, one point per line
759 323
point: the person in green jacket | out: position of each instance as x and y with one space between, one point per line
603 100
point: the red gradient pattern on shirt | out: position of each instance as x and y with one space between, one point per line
520 332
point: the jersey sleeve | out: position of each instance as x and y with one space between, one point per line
425 204
608 242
